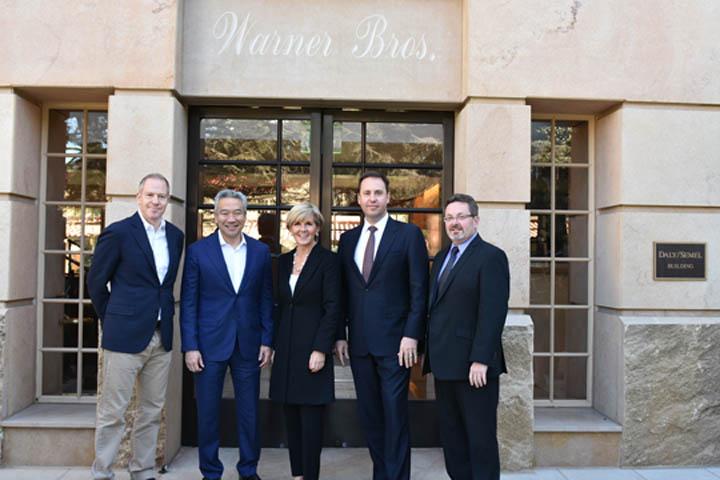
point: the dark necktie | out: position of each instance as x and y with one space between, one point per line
369 254
446 273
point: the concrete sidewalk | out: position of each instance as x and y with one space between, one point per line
354 464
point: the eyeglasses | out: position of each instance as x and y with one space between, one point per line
460 217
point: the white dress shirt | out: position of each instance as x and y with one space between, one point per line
158 244
365 235
293 281
235 258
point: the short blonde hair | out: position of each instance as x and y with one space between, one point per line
302 211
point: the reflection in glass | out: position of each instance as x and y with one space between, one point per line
541 146
571 188
410 188
344 186
346 142
238 139
262 225
65 129
419 143
421 386
430 224
62 227
341 223
90 326
571 235
95 179
97 132
571 141
256 182
296 140
571 330
541 322
64 176
540 235
60 325
540 188
539 283
541 377
570 378
571 283
295 185
89 373
94 223
206 223
62 275
59 373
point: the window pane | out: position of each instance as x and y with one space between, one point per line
346 142
430 224
62 275
90 327
344 186
262 225
570 378
256 182
541 321
65 131
89 373
571 236
62 228
540 235
571 283
237 139
64 179
97 132
540 188
404 143
541 377
541 148
571 188
95 180
414 188
60 325
539 283
296 140
571 142
59 373
94 223
295 185
341 223
206 223
420 387
571 330
87 261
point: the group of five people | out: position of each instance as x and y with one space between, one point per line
372 304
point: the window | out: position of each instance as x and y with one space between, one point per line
73 214
561 250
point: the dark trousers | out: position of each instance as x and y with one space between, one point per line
304 425
382 400
208 393
468 429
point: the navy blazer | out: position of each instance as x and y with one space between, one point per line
467 315
391 305
129 309
213 318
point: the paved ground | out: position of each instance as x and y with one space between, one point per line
354 464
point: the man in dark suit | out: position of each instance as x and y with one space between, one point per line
384 265
138 257
226 321
468 303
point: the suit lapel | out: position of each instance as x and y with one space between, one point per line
437 264
459 264
250 259
172 242
218 260
388 237
350 252
284 271
311 264
140 235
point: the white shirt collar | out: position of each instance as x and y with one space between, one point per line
223 242
380 224
148 226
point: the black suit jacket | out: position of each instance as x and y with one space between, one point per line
305 321
467 316
129 310
392 304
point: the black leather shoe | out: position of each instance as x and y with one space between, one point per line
251 477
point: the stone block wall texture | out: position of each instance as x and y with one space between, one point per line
3 334
672 391
515 411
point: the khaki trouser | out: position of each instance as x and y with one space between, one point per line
120 371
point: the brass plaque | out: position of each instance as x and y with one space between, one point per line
679 261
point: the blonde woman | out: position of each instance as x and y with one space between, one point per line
308 295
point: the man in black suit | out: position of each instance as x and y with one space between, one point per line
384 267
469 290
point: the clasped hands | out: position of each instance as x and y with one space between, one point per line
194 360
407 354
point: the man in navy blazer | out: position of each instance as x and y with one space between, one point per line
469 290
138 257
385 267
226 321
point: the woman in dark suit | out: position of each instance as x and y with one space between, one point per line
308 295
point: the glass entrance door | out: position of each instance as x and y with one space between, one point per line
279 158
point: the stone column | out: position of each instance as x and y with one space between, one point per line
148 133
656 342
20 132
492 163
